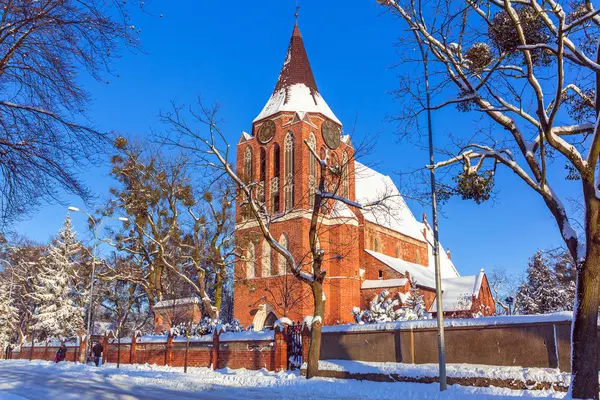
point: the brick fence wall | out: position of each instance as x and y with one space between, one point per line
526 341
536 341
255 351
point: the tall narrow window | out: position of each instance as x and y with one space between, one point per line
248 165
397 251
266 259
345 184
288 186
281 262
275 179
312 169
263 175
376 245
251 261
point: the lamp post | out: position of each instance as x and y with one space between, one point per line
95 231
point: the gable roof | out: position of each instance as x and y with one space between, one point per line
458 293
424 276
296 88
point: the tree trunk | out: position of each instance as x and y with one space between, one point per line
314 351
584 332
219 289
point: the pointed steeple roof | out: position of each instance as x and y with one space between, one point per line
296 88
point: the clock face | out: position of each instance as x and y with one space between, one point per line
331 134
266 132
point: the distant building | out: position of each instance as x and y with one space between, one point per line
170 313
366 251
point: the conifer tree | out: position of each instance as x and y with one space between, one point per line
8 315
541 292
415 301
58 314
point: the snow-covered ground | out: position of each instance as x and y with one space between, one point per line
21 379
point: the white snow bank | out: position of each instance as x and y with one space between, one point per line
452 371
45 380
247 335
432 323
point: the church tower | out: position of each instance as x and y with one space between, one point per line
276 158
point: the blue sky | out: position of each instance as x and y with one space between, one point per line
232 52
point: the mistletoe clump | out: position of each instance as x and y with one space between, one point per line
503 33
475 186
479 56
465 105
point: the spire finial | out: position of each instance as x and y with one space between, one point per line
297 9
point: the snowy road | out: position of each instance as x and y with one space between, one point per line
43 380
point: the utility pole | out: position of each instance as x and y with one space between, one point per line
436 243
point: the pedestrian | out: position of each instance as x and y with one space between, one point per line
97 350
61 354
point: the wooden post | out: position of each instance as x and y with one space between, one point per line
412 345
132 349
214 354
169 350
187 349
105 346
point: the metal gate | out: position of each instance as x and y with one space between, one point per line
295 344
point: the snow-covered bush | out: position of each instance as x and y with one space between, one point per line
206 326
386 308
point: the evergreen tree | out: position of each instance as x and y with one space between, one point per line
416 302
541 291
8 315
58 314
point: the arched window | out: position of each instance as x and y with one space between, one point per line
397 251
345 184
418 257
276 178
266 259
281 261
376 245
248 164
263 175
312 169
251 261
288 186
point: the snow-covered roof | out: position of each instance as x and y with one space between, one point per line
424 276
177 302
297 97
458 293
393 212
296 88
383 283
447 269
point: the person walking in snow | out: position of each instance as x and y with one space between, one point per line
61 354
97 350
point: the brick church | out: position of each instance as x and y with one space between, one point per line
366 250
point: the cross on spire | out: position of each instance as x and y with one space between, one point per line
296 13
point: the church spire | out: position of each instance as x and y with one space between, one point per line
296 88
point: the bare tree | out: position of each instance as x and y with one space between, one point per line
45 139
503 287
526 67
212 150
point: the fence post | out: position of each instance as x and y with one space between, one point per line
214 354
169 350
105 347
281 348
305 343
83 356
46 351
132 349
31 350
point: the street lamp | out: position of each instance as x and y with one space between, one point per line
97 226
